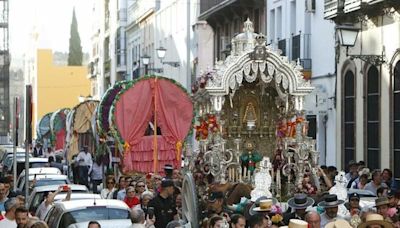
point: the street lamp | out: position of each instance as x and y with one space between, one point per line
146 60
348 36
161 51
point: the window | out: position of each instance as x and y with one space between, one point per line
396 119
372 115
282 46
349 117
296 47
312 126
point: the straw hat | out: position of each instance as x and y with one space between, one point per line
375 219
297 223
381 201
340 223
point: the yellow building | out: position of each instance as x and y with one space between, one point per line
55 86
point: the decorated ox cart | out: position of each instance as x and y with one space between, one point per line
58 128
79 128
150 118
43 131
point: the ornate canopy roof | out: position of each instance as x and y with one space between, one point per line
250 59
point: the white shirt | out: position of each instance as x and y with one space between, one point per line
96 172
6 223
107 194
86 159
325 219
121 194
42 210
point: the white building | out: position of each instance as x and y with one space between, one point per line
368 79
298 29
108 55
156 24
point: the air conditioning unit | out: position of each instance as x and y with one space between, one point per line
310 6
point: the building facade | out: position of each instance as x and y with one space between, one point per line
56 87
368 79
297 29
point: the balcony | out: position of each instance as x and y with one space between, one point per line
352 5
333 8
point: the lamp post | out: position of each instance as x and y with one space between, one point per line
161 51
146 60
348 35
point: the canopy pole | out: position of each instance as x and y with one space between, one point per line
155 152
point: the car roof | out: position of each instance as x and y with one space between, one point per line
22 159
48 176
42 170
123 223
84 203
77 195
55 187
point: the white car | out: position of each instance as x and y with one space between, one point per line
65 213
33 163
120 223
37 194
76 196
36 171
43 180
8 160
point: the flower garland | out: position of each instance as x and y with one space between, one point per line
206 125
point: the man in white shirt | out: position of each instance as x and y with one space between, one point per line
331 206
139 220
84 160
48 201
9 218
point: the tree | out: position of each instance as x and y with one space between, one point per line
75 48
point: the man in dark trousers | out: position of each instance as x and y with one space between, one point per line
164 208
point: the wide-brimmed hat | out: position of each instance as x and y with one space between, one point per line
255 206
381 201
300 201
297 223
375 219
330 200
340 223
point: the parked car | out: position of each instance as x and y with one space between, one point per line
33 163
120 223
37 195
76 196
43 180
10 150
65 213
8 161
36 171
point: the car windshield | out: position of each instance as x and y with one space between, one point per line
44 182
39 197
92 213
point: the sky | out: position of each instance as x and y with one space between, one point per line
52 18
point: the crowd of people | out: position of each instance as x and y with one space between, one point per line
156 201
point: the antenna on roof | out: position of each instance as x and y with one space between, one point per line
94 200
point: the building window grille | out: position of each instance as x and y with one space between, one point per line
396 120
296 47
282 46
372 115
349 117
